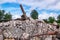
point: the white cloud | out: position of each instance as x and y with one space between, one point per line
45 15
42 4
16 16
0 7
3 1
11 9
57 6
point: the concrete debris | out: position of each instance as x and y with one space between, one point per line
24 29
25 36
1 37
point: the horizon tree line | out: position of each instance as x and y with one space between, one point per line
33 14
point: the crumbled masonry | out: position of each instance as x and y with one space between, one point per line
24 29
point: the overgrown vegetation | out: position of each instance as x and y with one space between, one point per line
5 16
34 14
52 19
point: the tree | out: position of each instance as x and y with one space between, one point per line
7 16
34 14
58 19
1 14
51 19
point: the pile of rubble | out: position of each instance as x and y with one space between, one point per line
23 29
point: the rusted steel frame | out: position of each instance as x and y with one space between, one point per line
22 10
41 35
37 35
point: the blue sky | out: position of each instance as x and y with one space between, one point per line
45 8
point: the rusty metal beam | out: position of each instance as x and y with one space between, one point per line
23 17
49 33
22 9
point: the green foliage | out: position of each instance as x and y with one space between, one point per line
58 19
51 19
4 16
34 14
7 16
